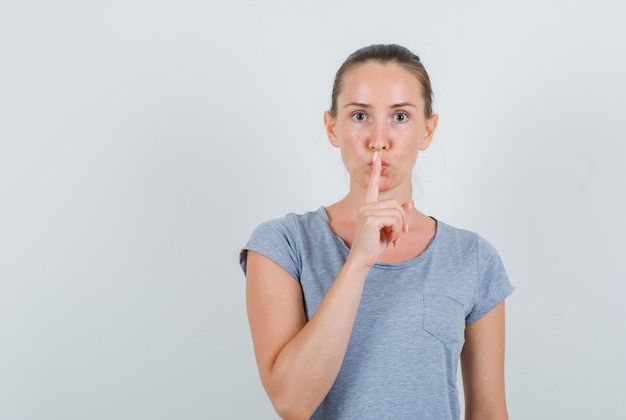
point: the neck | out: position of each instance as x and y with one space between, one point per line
355 198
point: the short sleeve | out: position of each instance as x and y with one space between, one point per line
275 239
493 284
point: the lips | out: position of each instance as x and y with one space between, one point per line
384 165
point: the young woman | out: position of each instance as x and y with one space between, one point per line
362 309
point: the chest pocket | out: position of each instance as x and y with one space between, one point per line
444 318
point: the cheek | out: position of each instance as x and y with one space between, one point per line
352 160
347 155
349 137
351 141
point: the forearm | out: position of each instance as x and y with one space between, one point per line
306 368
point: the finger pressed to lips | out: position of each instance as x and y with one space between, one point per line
372 188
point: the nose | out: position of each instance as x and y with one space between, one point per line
379 136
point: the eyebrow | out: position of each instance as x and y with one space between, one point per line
362 105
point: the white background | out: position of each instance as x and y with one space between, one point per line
142 141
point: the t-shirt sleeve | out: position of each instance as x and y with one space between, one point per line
275 239
493 284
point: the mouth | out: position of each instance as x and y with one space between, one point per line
384 165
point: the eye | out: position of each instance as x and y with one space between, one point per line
359 117
400 117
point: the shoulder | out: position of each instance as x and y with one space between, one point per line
281 239
466 241
293 231
289 225
469 249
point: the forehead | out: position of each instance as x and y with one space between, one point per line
380 82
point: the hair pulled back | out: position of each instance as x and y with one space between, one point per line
385 53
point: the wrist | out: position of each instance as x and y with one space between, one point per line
357 267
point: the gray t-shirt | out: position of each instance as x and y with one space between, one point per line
402 359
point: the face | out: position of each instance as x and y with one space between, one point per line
380 108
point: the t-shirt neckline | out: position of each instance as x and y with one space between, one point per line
326 222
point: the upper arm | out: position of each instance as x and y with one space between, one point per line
482 362
275 309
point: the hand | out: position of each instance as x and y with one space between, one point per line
379 223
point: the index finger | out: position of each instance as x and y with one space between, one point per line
371 195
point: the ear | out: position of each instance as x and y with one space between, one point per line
431 126
329 122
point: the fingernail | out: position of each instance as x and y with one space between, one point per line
375 156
